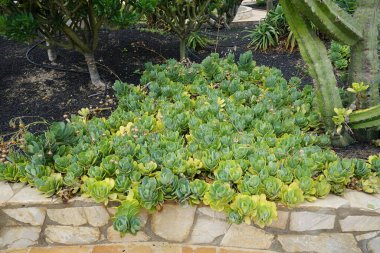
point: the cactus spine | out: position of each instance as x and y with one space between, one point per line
359 31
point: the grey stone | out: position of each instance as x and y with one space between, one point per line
374 245
68 216
32 215
17 186
174 222
331 201
323 243
19 237
305 221
367 236
28 195
6 192
360 223
97 216
362 200
211 213
206 229
114 236
282 220
71 235
245 236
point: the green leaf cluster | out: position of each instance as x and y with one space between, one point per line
234 136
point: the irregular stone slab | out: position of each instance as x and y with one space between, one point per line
331 201
305 221
114 236
360 223
19 237
211 213
282 220
82 199
207 229
174 222
17 251
63 249
6 192
32 215
323 243
68 216
367 236
28 195
97 216
156 247
17 186
374 245
245 236
362 200
143 215
71 235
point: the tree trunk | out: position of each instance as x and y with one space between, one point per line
182 49
269 5
232 11
52 52
93 70
364 55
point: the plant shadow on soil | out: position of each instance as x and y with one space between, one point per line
30 90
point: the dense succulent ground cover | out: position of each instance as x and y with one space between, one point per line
235 136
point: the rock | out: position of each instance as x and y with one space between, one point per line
174 222
207 229
6 193
17 186
68 216
112 210
360 223
323 243
367 236
71 235
32 215
19 237
374 245
245 236
60 249
211 213
28 195
114 236
305 221
282 220
143 215
97 216
331 201
362 200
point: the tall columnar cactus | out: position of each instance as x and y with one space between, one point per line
359 30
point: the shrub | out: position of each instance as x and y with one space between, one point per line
234 136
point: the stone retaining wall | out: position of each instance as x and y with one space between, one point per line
336 224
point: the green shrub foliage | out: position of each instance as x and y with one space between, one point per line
234 136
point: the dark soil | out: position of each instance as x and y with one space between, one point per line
358 150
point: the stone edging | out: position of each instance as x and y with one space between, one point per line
336 224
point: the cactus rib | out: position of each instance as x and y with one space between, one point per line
315 55
330 18
366 124
365 114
